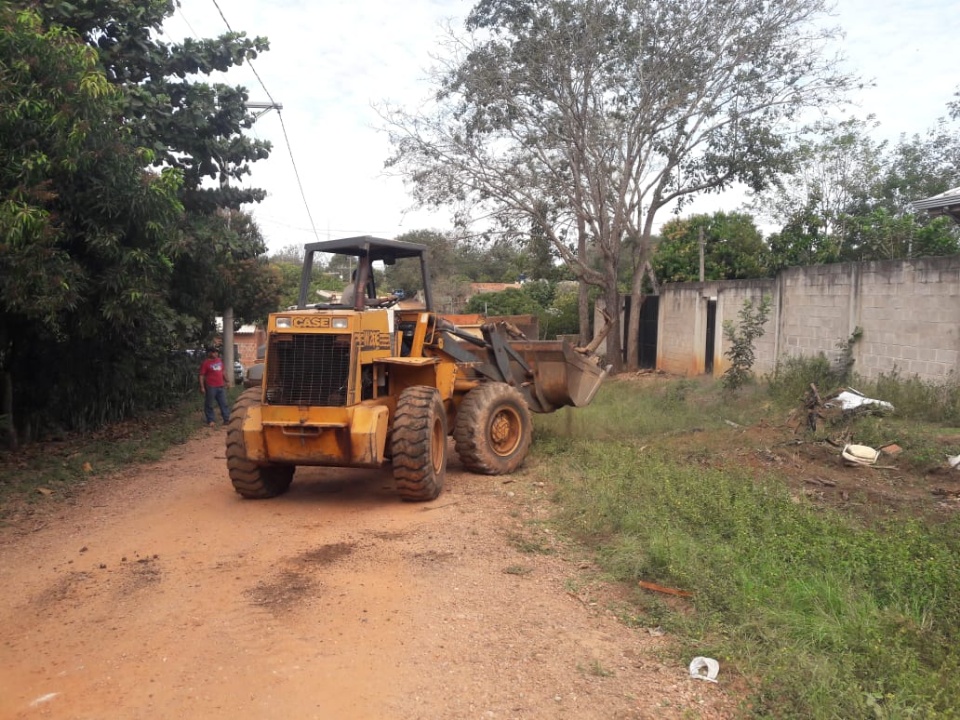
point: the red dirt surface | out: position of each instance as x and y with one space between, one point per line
162 594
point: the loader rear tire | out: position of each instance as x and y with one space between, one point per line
250 479
493 429
418 443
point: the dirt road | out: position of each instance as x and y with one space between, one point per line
162 594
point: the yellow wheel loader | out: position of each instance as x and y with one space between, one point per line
380 381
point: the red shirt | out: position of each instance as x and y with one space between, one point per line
212 372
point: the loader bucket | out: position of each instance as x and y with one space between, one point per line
561 375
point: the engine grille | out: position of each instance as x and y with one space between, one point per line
308 370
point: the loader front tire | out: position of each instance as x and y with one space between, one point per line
250 479
418 443
493 429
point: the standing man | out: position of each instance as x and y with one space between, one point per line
213 387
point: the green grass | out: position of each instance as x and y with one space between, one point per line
60 466
824 614
681 406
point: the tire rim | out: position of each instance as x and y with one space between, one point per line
505 431
437 443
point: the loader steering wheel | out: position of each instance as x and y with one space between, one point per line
382 302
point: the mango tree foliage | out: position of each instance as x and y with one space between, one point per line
84 229
847 196
186 122
220 262
587 118
190 123
733 248
194 126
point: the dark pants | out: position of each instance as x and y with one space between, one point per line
216 395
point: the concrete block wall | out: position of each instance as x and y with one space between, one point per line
681 323
816 310
910 315
908 311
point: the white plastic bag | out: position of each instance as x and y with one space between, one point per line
850 399
704 668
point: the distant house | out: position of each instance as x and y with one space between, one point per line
477 288
247 339
946 203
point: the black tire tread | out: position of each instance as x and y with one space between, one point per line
252 480
471 429
410 440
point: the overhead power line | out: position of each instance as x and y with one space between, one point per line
283 127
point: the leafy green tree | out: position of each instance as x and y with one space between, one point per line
562 317
915 167
96 251
833 165
589 118
881 235
193 126
848 196
290 274
733 248
442 261
85 235
220 263
499 260
803 240
185 122
453 265
512 301
556 310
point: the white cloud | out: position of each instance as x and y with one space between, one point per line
329 62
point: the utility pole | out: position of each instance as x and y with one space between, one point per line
702 268
228 357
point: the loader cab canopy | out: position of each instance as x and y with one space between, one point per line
367 250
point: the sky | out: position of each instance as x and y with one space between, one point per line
330 63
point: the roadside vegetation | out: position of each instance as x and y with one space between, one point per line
838 604
825 591
61 466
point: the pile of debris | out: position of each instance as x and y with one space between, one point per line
839 405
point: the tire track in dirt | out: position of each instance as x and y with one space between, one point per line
163 594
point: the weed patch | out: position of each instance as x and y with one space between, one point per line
827 613
55 469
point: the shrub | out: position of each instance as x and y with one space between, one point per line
741 337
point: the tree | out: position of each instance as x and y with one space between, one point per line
193 126
453 265
84 233
834 165
106 138
588 117
733 248
847 196
219 263
916 167
881 235
802 240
